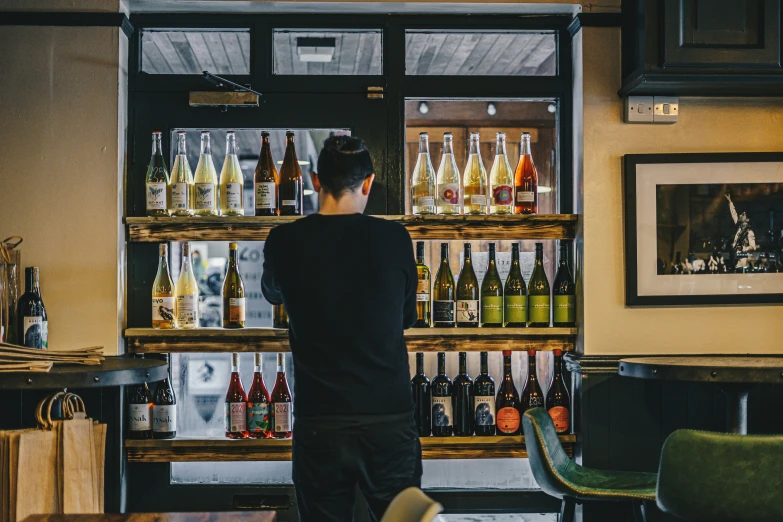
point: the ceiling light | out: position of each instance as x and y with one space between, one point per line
544 190
308 192
311 49
424 108
552 108
492 109
301 162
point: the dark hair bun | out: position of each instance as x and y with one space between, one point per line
344 163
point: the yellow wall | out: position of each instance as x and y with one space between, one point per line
705 125
62 146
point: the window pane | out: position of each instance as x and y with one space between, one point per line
463 53
339 52
224 51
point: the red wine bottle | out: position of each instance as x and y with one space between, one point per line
33 325
139 411
236 403
442 411
532 396
462 388
558 402
258 405
484 400
164 409
282 411
507 402
420 386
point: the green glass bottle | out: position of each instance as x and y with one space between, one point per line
443 292
467 293
492 294
515 294
564 292
422 289
538 292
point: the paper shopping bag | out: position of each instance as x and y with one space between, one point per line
78 473
36 474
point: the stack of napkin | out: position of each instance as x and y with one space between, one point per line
15 358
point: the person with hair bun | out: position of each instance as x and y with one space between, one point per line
348 282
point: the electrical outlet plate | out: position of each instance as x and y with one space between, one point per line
666 109
639 109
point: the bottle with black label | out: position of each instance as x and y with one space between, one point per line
484 400
420 386
463 399
442 410
532 396
164 408
467 293
139 410
422 289
443 292
281 404
33 324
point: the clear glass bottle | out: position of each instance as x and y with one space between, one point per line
501 180
206 181
423 180
186 294
232 181
163 293
157 184
526 180
449 200
474 180
181 181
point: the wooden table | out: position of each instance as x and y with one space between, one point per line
736 376
227 516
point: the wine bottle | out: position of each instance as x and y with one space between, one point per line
258 404
164 408
233 292
474 180
163 293
282 423
291 181
492 294
205 180
279 316
558 402
501 180
449 200
443 292
157 185
526 180
532 396
236 403
186 301
422 289
232 181
507 403
538 291
462 388
33 323
564 292
420 386
515 294
139 410
442 411
423 180
467 293
484 400
182 186
266 181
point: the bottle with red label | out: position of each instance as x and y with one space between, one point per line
507 403
282 411
236 403
501 180
558 402
532 396
258 404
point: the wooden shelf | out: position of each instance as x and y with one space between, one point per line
221 450
251 228
149 340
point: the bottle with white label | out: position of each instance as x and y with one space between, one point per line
501 180
32 321
442 410
163 293
139 410
467 293
423 180
449 200
266 181
236 403
164 408
157 189
422 289
233 292
181 181
232 181
186 297
281 404
205 202
474 180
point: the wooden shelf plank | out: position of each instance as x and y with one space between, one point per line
252 228
149 340
222 450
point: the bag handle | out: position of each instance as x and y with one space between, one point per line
7 245
71 405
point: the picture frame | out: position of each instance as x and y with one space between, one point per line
703 228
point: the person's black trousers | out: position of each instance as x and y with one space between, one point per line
330 459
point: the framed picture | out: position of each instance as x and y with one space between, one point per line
703 229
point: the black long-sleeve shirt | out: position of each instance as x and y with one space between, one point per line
348 283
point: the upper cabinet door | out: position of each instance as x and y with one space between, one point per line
737 34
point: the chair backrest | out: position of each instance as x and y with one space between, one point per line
721 477
548 459
412 505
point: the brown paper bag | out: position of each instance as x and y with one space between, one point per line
13 466
78 473
99 431
4 471
36 476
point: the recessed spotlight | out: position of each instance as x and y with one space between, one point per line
424 108
308 192
492 109
544 190
552 108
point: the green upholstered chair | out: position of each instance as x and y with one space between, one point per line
721 477
561 477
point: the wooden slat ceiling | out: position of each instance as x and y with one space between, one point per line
191 52
355 54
